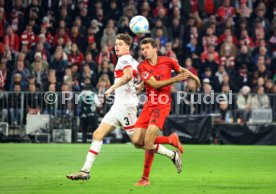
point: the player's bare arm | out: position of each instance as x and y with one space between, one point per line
124 79
191 75
159 84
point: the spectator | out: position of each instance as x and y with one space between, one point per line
220 73
3 73
161 38
209 63
75 57
3 23
105 53
60 38
268 86
210 49
28 37
12 40
113 12
189 66
24 73
209 39
59 64
244 58
159 25
225 89
246 40
191 86
67 78
244 102
40 76
230 82
244 8
208 7
169 52
38 59
33 100
225 114
212 80
122 25
225 11
15 108
89 74
242 77
90 61
228 49
192 49
106 68
88 103
176 31
103 84
78 38
109 35
3 106
260 100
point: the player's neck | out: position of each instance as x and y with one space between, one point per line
126 53
153 61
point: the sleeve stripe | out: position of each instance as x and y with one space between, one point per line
127 66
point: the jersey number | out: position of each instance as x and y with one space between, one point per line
126 121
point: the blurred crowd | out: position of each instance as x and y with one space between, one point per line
64 45
58 45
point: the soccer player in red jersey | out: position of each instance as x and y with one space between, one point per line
155 71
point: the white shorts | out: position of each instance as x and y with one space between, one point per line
121 116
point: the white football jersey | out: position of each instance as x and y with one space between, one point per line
126 94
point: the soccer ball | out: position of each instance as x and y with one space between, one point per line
139 25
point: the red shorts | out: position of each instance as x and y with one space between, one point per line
155 115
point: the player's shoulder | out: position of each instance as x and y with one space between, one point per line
142 63
126 59
166 59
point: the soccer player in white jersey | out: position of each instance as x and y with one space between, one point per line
123 113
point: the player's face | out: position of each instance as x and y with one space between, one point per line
121 48
148 51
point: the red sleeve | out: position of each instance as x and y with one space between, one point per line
126 66
175 65
145 75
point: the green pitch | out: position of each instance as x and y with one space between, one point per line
41 168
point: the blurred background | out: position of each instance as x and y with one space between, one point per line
67 45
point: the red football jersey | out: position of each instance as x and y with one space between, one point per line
161 71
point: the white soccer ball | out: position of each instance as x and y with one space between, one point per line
139 25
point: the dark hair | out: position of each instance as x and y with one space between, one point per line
126 38
149 41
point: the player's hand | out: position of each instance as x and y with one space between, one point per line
191 75
182 76
109 91
198 84
139 87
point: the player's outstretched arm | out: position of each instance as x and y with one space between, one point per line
160 84
191 75
124 79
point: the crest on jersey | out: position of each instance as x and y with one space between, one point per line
145 74
124 62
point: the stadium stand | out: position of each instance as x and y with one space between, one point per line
61 45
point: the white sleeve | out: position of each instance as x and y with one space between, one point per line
124 62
